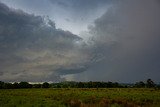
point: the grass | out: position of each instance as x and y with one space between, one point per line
110 97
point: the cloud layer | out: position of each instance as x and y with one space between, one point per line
127 37
69 15
32 49
121 45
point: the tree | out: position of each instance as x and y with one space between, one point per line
1 84
150 83
8 85
140 84
25 85
45 85
15 85
37 85
80 85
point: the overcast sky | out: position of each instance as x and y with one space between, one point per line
79 40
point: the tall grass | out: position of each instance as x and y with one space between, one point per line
110 97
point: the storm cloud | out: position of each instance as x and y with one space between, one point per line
121 44
33 49
69 15
127 37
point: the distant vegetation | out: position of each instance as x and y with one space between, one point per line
148 84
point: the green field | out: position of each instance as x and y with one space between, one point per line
110 97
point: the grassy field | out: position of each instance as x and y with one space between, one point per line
110 97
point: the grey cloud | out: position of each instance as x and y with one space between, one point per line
78 3
127 36
71 70
79 12
83 7
123 44
31 47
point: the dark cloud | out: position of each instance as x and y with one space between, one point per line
31 48
127 36
122 45
72 70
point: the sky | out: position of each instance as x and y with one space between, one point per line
79 40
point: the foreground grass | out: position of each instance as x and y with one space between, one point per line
112 97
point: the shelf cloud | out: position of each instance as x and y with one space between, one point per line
32 49
121 44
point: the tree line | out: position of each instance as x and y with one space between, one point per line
17 85
148 84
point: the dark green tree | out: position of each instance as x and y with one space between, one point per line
37 85
140 84
150 83
25 85
8 85
45 85
15 85
1 84
80 85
